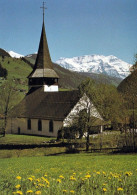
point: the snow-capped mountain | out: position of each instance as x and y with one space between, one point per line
109 65
15 55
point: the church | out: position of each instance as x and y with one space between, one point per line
45 110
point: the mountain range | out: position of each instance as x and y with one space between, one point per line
111 71
99 64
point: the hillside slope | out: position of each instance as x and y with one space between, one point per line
4 53
129 84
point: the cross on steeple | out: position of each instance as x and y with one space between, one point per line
43 7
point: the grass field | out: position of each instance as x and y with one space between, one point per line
23 139
80 174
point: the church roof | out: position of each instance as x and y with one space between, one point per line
43 65
49 105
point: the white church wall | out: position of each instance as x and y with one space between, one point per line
19 126
83 103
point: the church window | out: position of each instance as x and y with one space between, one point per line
29 124
51 126
39 125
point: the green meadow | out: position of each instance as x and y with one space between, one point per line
84 173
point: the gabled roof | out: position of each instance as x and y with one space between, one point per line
49 105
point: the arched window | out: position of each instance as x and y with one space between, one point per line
39 125
51 126
29 124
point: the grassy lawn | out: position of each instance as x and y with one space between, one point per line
69 174
23 139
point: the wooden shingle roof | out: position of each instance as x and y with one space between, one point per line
43 65
46 105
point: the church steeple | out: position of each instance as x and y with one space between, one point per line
43 73
43 59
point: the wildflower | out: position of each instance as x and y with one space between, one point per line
17 186
41 185
59 180
18 177
104 184
88 176
61 177
29 191
72 178
64 191
104 190
98 173
128 173
120 189
30 178
38 192
19 192
72 191
38 180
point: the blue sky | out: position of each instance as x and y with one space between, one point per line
73 27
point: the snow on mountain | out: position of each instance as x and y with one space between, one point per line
15 55
109 65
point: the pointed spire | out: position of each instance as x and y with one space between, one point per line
43 59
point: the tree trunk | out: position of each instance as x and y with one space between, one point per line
87 141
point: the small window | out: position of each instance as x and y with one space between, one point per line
39 125
51 126
29 124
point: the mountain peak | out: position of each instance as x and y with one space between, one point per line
14 54
108 65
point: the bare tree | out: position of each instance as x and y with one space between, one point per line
9 97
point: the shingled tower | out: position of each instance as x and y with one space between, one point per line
43 73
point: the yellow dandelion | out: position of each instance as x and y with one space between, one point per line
98 173
104 184
38 192
61 177
18 177
18 186
87 176
104 190
29 191
120 189
72 191
72 178
64 191
30 179
128 173
38 180
59 180
19 192
41 185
